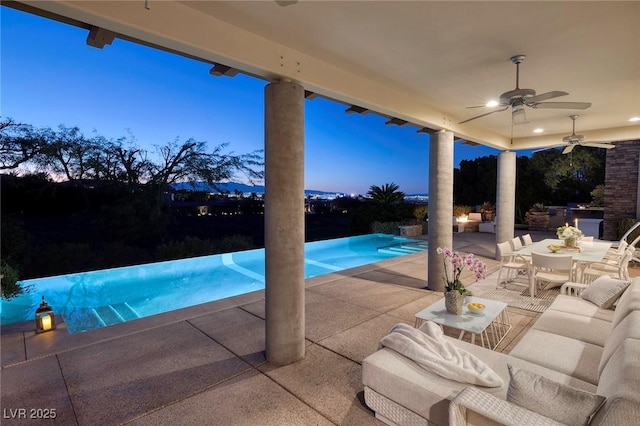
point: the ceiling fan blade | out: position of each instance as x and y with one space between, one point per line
598 145
563 105
482 115
545 149
568 149
545 96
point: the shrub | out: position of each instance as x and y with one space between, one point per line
461 210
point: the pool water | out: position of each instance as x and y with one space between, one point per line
96 299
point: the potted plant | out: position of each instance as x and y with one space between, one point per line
537 217
455 292
487 209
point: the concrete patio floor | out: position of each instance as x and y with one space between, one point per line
206 364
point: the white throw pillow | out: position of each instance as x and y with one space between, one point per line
604 291
544 396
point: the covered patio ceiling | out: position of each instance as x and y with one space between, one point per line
420 62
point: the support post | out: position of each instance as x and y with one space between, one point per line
284 223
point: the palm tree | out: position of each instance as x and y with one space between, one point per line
386 194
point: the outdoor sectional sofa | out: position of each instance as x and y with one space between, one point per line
574 343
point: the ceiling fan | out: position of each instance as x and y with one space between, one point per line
518 98
572 140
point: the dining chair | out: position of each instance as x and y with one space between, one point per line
551 269
527 240
619 270
509 261
516 244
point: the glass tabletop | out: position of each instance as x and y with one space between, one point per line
467 321
589 251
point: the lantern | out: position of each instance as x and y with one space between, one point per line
45 320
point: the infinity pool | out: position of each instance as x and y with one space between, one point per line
96 299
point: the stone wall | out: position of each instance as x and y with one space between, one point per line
621 186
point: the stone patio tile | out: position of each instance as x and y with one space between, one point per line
328 383
326 316
248 399
120 379
12 348
407 313
237 330
372 295
387 276
360 341
37 385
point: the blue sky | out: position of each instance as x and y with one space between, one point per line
49 76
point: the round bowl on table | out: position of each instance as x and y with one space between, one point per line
475 307
553 248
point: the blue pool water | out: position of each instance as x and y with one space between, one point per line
99 298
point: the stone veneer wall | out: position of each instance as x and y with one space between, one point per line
621 186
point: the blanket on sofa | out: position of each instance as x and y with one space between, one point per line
428 348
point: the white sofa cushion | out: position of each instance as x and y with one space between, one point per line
579 327
628 302
604 291
628 327
562 354
578 306
620 380
555 400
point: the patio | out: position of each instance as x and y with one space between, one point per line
207 362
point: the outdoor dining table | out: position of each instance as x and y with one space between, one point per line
586 252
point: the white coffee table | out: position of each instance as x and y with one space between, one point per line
494 317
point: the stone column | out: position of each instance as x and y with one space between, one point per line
440 205
506 196
284 222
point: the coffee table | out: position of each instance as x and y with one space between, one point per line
494 317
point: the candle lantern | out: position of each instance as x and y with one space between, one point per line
45 320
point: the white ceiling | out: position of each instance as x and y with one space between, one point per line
422 61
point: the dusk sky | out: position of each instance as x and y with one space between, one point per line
50 76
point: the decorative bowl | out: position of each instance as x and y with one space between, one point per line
475 307
554 248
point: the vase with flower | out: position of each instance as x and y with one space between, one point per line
569 234
455 291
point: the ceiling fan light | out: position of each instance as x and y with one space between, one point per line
519 116
633 119
492 103
538 130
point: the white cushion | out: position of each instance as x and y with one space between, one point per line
628 327
628 302
604 291
578 306
579 327
552 399
562 354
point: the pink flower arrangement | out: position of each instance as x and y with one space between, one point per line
458 264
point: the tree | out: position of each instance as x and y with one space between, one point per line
386 194
19 143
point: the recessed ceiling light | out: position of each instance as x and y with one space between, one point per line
538 130
492 103
634 119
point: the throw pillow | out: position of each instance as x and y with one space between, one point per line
544 396
604 291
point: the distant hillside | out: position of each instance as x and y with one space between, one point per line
232 187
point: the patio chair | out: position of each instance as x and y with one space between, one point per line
516 244
551 270
526 240
620 270
509 261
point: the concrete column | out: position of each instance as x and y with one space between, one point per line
284 222
440 205
506 196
